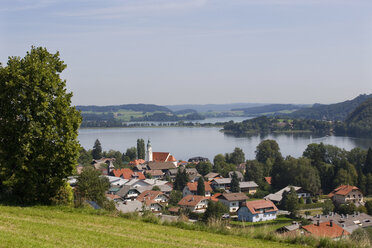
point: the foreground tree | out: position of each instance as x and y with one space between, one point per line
214 211
38 128
91 186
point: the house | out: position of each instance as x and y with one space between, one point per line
105 165
192 173
241 167
224 184
194 203
259 210
128 193
113 197
325 230
198 159
153 200
232 200
129 206
347 194
136 162
277 197
238 174
155 174
163 166
349 222
249 187
116 181
192 188
211 175
128 174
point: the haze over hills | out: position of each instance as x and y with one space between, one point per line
213 107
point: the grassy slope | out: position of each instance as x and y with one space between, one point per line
52 227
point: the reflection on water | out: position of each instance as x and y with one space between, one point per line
184 142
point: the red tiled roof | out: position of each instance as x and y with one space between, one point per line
194 186
160 156
127 173
112 196
268 180
342 190
191 200
137 162
148 196
326 230
214 197
256 206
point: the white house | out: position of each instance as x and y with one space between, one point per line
277 197
153 200
195 203
233 200
259 210
192 188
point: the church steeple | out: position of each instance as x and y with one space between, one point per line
149 151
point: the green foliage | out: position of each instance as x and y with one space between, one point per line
359 122
116 155
328 207
368 206
38 127
156 188
141 149
215 210
236 157
181 179
174 197
97 150
201 187
348 208
267 149
130 154
85 157
91 186
64 196
234 188
367 168
204 168
254 171
289 202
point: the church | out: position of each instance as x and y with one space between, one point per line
159 156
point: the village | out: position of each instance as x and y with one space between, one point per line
171 189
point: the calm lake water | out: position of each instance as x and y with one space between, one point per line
186 142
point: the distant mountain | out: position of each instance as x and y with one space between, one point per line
359 122
185 111
202 108
336 111
133 107
271 108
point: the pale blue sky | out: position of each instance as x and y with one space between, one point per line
199 51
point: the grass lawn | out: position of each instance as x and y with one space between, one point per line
264 226
67 227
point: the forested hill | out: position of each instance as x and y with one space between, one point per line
336 111
360 120
269 109
133 107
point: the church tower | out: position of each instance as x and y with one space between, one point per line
149 151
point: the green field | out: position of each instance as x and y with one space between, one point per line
67 227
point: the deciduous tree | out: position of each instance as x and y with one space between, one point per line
38 127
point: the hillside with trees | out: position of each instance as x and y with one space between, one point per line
359 122
331 112
269 109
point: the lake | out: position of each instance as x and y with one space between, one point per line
186 142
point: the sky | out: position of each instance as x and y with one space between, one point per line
199 51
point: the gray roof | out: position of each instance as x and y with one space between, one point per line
124 190
238 173
161 165
163 188
277 196
249 184
129 206
222 180
233 196
212 175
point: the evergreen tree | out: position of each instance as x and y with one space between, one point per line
97 150
174 197
367 168
290 202
181 179
215 210
38 127
235 188
141 149
201 187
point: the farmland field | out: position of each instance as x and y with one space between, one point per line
67 227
